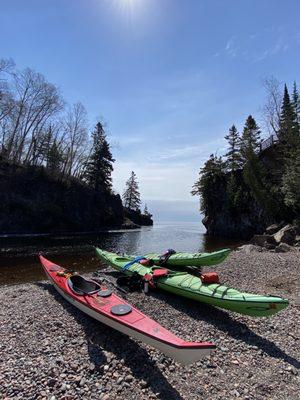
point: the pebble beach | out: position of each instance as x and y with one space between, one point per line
52 351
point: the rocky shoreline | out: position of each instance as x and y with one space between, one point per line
50 350
280 238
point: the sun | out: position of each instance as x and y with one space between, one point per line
131 11
129 2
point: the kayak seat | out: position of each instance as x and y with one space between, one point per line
79 285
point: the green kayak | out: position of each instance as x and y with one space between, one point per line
190 286
191 259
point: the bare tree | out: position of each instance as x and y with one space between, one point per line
32 123
6 65
37 101
75 137
271 110
6 102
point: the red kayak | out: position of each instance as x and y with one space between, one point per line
100 303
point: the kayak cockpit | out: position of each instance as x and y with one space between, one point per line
79 285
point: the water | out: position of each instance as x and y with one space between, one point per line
19 262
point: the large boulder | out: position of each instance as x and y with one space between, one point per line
267 241
273 228
250 248
286 235
284 248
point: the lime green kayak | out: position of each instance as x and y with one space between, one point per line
191 259
190 286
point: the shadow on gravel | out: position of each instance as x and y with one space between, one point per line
224 322
101 338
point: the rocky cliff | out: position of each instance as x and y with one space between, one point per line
224 219
31 201
138 218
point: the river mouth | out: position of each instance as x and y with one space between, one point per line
19 261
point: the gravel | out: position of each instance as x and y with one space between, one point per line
51 350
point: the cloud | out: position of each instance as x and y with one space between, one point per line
278 47
256 48
231 48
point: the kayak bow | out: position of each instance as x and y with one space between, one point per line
99 303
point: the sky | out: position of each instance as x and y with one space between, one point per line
168 77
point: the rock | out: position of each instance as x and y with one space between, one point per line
63 387
119 380
284 248
82 382
51 382
143 384
224 348
273 228
250 248
263 241
286 235
128 378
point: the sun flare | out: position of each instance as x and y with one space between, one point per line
129 4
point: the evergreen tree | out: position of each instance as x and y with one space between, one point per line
250 140
146 212
288 130
291 182
100 164
131 196
233 155
212 173
254 174
296 104
54 159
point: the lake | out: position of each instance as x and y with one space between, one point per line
19 262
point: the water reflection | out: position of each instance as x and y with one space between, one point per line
19 262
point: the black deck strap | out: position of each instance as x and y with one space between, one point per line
215 289
162 259
225 291
103 279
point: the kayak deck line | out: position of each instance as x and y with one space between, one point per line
134 323
192 287
171 257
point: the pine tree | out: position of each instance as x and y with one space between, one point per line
100 164
146 212
54 159
131 196
288 131
212 173
250 140
233 155
254 174
296 104
291 182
